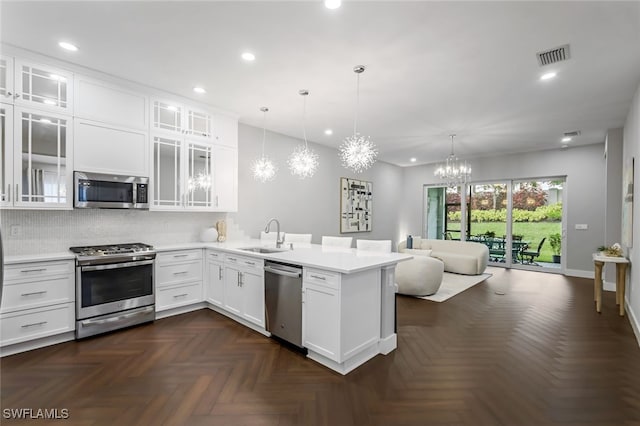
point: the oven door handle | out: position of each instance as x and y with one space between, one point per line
116 265
88 323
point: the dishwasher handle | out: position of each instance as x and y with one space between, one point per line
277 271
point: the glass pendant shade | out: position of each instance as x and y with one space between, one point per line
453 171
303 161
357 152
263 168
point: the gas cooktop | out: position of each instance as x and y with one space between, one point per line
112 249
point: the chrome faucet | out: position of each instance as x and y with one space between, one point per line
266 230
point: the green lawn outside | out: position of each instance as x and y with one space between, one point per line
532 232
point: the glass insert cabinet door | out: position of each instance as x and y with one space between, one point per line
168 116
6 154
199 123
6 79
199 175
45 87
167 172
40 171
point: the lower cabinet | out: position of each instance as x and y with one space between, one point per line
244 288
38 301
214 277
178 279
321 319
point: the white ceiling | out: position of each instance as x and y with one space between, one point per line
433 68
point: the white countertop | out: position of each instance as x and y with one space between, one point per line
334 259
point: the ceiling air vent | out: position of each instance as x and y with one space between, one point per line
572 134
552 56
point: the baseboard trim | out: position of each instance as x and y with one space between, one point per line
633 319
180 310
579 273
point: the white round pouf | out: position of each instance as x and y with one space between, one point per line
209 235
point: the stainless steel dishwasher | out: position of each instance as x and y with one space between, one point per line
283 301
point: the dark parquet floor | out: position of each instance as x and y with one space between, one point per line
538 355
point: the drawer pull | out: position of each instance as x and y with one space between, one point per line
33 270
251 263
34 324
180 255
181 273
233 259
318 277
180 295
33 293
220 272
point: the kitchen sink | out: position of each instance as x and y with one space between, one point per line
262 249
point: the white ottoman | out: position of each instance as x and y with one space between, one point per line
420 276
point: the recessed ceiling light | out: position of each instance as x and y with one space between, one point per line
547 76
332 4
172 107
328 132
68 46
199 90
248 56
413 159
566 139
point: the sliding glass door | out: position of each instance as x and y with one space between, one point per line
488 207
442 213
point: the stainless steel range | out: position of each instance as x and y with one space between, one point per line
114 287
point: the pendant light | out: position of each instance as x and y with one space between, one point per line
357 152
303 162
453 171
263 168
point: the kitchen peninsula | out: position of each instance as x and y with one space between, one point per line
348 309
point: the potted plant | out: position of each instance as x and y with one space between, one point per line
556 245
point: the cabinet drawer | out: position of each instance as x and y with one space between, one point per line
178 256
317 276
33 270
245 262
215 255
171 297
36 293
178 273
37 323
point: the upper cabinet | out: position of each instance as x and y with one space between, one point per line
6 79
225 130
110 104
175 118
43 87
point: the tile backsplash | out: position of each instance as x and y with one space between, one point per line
55 231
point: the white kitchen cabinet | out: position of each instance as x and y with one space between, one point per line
38 301
178 119
341 316
42 156
244 288
6 79
225 180
110 104
225 130
43 87
109 149
183 174
178 279
6 154
214 278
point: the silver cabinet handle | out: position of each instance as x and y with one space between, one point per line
181 273
16 197
34 324
180 295
17 95
318 277
180 255
233 259
33 270
9 94
33 293
240 279
250 263
220 272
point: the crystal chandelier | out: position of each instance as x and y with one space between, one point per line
452 170
303 162
357 152
263 168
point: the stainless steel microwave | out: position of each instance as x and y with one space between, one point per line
107 191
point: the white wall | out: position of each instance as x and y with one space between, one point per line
310 205
631 148
584 168
613 195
